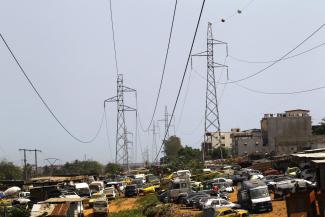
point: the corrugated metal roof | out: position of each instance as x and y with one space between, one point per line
319 155
319 161
60 210
64 200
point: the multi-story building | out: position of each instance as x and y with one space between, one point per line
214 141
288 132
248 142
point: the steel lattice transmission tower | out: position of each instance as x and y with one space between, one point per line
212 120
122 142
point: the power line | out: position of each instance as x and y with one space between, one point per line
239 11
281 93
184 74
269 93
272 61
113 32
275 62
164 67
107 132
44 102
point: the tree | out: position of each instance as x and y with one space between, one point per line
88 167
190 158
171 147
113 168
8 171
319 129
216 153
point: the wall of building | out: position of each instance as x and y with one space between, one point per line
225 139
248 142
286 132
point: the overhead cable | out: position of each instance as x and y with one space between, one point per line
183 78
113 33
164 67
282 93
275 62
44 102
272 61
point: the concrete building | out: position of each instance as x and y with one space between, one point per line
225 139
213 141
286 133
248 142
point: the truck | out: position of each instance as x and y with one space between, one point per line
179 188
254 195
100 207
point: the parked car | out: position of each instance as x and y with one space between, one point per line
149 189
100 207
225 212
222 180
131 190
220 203
95 197
110 193
187 200
195 201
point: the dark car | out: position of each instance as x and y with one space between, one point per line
131 190
195 202
186 200
189 201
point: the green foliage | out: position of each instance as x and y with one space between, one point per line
147 200
19 211
320 129
8 171
114 169
80 168
216 153
161 210
172 146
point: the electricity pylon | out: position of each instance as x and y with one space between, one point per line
122 142
212 119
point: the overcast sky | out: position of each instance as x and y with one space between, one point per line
66 49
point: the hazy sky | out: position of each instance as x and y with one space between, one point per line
66 49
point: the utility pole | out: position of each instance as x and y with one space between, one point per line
122 150
154 140
212 120
165 120
25 160
25 163
52 162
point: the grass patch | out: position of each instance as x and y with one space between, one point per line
128 213
147 200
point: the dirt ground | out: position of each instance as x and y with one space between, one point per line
122 204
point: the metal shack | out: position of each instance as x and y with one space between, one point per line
58 207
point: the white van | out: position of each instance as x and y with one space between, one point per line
100 207
83 190
97 186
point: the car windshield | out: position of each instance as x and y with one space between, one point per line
130 187
101 204
259 193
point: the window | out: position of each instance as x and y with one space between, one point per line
215 202
176 186
183 185
228 212
224 202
